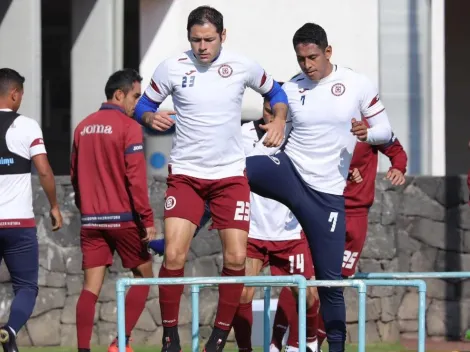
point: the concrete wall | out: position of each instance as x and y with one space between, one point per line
422 226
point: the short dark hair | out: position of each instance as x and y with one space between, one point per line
311 33
121 80
206 14
10 79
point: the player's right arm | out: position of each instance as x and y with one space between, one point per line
146 109
136 175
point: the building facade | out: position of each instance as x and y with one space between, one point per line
412 49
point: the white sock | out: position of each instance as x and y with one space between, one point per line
13 331
273 348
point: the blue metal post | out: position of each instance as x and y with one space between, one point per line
421 285
361 324
422 317
261 281
267 319
121 319
195 317
362 289
302 287
416 275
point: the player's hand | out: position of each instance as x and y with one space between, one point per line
56 218
359 129
396 177
355 176
160 121
150 234
274 133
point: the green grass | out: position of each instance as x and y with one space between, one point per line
350 348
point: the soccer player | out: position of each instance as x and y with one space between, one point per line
359 197
326 103
109 176
276 239
21 143
207 161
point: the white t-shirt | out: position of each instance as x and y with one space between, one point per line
269 219
207 143
321 144
24 138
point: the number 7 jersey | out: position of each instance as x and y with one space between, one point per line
208 101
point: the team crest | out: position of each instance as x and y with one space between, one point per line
338 89
170 203
225 71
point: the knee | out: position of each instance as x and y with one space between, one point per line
235 259
247 294
175 256
29 288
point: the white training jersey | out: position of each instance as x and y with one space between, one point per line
269 219
24 139
207 143
321 143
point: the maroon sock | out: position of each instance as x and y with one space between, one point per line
229 299
85 314
285 305
312 321
135 304
170 297
312 325
242 323
321 334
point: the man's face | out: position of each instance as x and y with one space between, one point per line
267 112
205 42
313 60
129 100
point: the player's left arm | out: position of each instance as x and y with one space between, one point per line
398 158
372 108
74 172
38 155
258 80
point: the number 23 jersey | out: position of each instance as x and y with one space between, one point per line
208 101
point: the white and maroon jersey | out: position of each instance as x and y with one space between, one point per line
207 143
321 144
20 140
269 219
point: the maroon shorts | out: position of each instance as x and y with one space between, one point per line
356 232
288 257
229 200
98 247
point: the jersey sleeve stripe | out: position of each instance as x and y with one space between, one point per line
368 117
154 86
263 79
134 148
37 141
373 101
